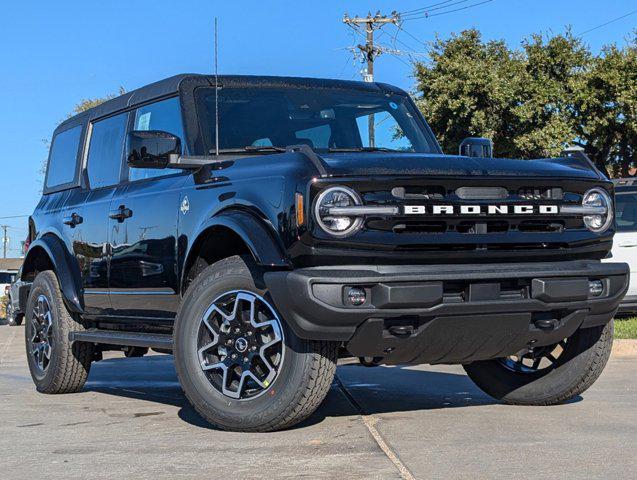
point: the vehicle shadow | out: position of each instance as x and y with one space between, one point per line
356 390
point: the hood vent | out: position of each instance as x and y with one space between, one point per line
482 193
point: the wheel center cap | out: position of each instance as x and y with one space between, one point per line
241 344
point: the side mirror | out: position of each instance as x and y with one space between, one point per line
151 148
476 147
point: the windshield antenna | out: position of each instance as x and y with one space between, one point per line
216 95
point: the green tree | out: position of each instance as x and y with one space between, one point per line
552 75
535 100
607 106
469 88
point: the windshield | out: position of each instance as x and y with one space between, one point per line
626 211
326 119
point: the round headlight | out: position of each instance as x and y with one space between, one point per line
337 225
597 197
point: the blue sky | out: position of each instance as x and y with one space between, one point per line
53 54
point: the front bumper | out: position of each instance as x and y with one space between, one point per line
447 313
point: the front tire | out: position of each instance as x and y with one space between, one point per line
241 367
56 365
555 375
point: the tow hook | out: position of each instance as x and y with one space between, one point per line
402 331
370 361
547 324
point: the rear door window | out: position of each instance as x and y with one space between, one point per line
62 166
165 116
105 152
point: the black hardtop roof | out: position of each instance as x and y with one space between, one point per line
171 85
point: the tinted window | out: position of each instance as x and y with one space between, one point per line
105 151
626 211
63 157
315 137
325 118
385 130
164 116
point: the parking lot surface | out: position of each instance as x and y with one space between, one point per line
132 421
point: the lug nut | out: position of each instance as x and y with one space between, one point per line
237 330
229 342
253 348
245 359
234 355
249 333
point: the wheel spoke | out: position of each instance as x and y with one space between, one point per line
237 360
551 358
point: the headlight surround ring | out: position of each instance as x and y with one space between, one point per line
598 223
332 194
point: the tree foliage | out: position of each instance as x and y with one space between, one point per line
533 101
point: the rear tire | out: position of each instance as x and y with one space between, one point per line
581 362
56 365
303 369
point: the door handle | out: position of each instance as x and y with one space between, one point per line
121 214
73 220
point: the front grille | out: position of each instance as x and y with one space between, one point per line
470 227
431 194
480 235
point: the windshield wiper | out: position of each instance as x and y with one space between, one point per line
250 149
364 149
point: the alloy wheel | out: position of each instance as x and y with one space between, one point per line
42 333
240 344
535 360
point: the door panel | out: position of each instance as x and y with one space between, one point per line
91 250
143 269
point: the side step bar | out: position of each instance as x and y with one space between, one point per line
128 339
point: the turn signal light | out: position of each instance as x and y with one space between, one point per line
300 210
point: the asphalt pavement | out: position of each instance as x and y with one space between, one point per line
132 422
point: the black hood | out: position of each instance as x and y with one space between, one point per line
384 163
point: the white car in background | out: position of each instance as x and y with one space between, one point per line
625 241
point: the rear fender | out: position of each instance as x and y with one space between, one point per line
64 266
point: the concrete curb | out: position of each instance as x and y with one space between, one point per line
624 348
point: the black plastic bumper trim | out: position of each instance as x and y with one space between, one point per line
311 318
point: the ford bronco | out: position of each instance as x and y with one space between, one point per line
261 228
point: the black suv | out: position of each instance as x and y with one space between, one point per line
260 228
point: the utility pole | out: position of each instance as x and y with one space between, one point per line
5 240
369 50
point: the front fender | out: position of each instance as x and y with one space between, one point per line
64 266
263 243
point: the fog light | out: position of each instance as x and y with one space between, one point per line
356 296
595 288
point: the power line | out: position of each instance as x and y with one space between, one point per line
15 216
401 29
441 7
448 11
407 12
607 23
